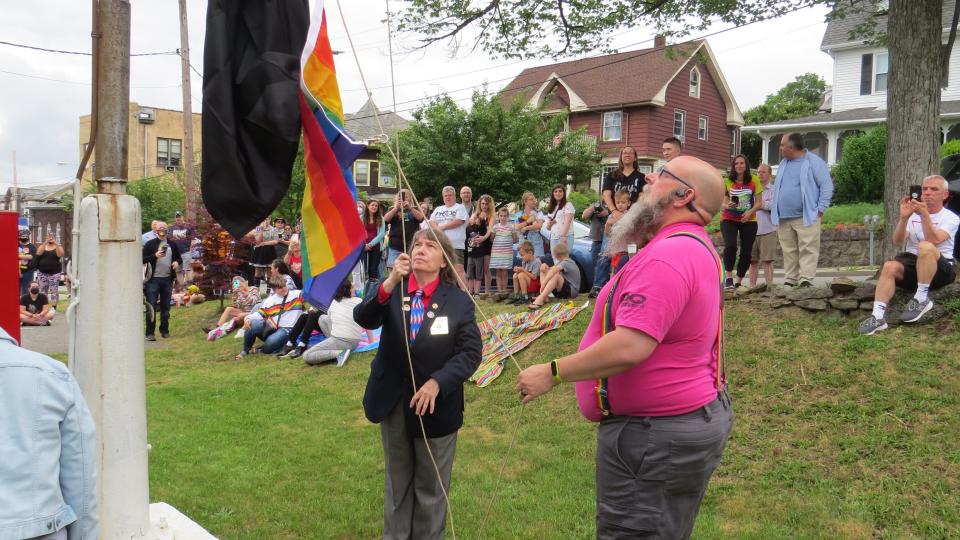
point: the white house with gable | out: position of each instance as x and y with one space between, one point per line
858 99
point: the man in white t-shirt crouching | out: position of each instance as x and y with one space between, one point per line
927 231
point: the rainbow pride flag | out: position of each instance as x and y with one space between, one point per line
333 234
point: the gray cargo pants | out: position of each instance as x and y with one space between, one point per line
652 471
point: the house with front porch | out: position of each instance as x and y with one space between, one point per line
639 98
857 101
365 126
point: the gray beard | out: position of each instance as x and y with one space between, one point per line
639 225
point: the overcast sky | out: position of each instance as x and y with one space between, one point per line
42 95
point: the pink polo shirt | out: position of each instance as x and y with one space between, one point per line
670 290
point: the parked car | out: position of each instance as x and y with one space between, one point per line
579 252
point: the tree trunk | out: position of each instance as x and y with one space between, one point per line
914 31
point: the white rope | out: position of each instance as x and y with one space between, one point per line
402 180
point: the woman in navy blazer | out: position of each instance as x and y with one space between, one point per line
444 353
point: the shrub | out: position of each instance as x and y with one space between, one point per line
858 177
160 197
582 200
950 148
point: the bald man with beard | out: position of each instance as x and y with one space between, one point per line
649 367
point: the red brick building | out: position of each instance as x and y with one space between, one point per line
639 98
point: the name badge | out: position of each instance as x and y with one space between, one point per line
439 327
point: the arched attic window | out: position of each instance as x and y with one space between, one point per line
695 82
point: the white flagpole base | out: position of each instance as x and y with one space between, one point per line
167 523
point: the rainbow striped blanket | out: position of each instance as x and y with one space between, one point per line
508 333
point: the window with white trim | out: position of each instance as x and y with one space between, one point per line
366 172
388 181
695 82
679 123
169 152
612 126
702 127
880 77
874 68
605 171
733 142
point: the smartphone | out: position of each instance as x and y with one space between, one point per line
915 192
236 283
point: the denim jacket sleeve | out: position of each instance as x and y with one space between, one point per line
821 176
77 468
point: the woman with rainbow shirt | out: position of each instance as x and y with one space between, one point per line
739 220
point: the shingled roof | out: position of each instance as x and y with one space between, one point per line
858 12
363 126
863 115
615 80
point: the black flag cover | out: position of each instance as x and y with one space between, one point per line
251 108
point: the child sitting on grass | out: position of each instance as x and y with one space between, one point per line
622 201
562 279
526 277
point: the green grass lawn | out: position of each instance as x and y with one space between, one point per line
841 214
836 436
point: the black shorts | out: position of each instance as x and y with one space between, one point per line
945 274
563 291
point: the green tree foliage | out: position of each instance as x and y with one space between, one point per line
859 176
289 207
497 150
581 200
524 29
950 148
800 97
160 197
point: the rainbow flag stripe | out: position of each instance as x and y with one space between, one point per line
333 234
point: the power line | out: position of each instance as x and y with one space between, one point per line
489 68
82 83
640 53
78 53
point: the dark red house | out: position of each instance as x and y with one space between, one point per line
639 98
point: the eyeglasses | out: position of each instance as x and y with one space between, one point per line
664 171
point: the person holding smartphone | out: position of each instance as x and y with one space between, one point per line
244 299
403 219
926 230
164 259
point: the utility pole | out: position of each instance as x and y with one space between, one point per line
108 310
108 361
189 182
16 194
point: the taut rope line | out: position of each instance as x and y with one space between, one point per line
403 182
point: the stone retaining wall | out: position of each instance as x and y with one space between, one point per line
845 296
839 247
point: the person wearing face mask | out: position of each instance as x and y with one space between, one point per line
26 253
164 259
35 309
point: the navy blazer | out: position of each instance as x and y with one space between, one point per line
449 358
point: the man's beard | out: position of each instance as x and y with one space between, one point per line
639 225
